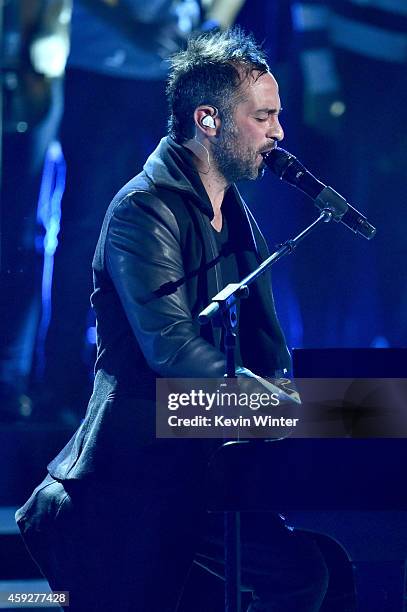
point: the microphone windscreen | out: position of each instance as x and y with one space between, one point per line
277 160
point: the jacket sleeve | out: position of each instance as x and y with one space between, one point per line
144 260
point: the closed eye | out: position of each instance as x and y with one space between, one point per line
270 113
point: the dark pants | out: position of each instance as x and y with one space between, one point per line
130 550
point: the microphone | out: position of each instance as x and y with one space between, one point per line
288 168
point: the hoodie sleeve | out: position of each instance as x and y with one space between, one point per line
144 260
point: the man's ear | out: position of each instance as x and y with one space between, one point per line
206 119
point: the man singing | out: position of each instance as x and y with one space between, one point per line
121 516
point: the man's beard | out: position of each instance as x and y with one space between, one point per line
232 161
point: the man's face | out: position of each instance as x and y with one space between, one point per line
252 129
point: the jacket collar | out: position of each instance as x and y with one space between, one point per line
170 166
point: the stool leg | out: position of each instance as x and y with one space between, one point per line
232 561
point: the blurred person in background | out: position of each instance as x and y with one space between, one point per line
114 116
353 59
344 63
34 49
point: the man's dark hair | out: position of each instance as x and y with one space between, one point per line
210 71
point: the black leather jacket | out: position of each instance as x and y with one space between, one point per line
155 269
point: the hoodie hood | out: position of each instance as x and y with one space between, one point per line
171 166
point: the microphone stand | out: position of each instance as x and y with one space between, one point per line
224 313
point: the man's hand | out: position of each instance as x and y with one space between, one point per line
282 387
